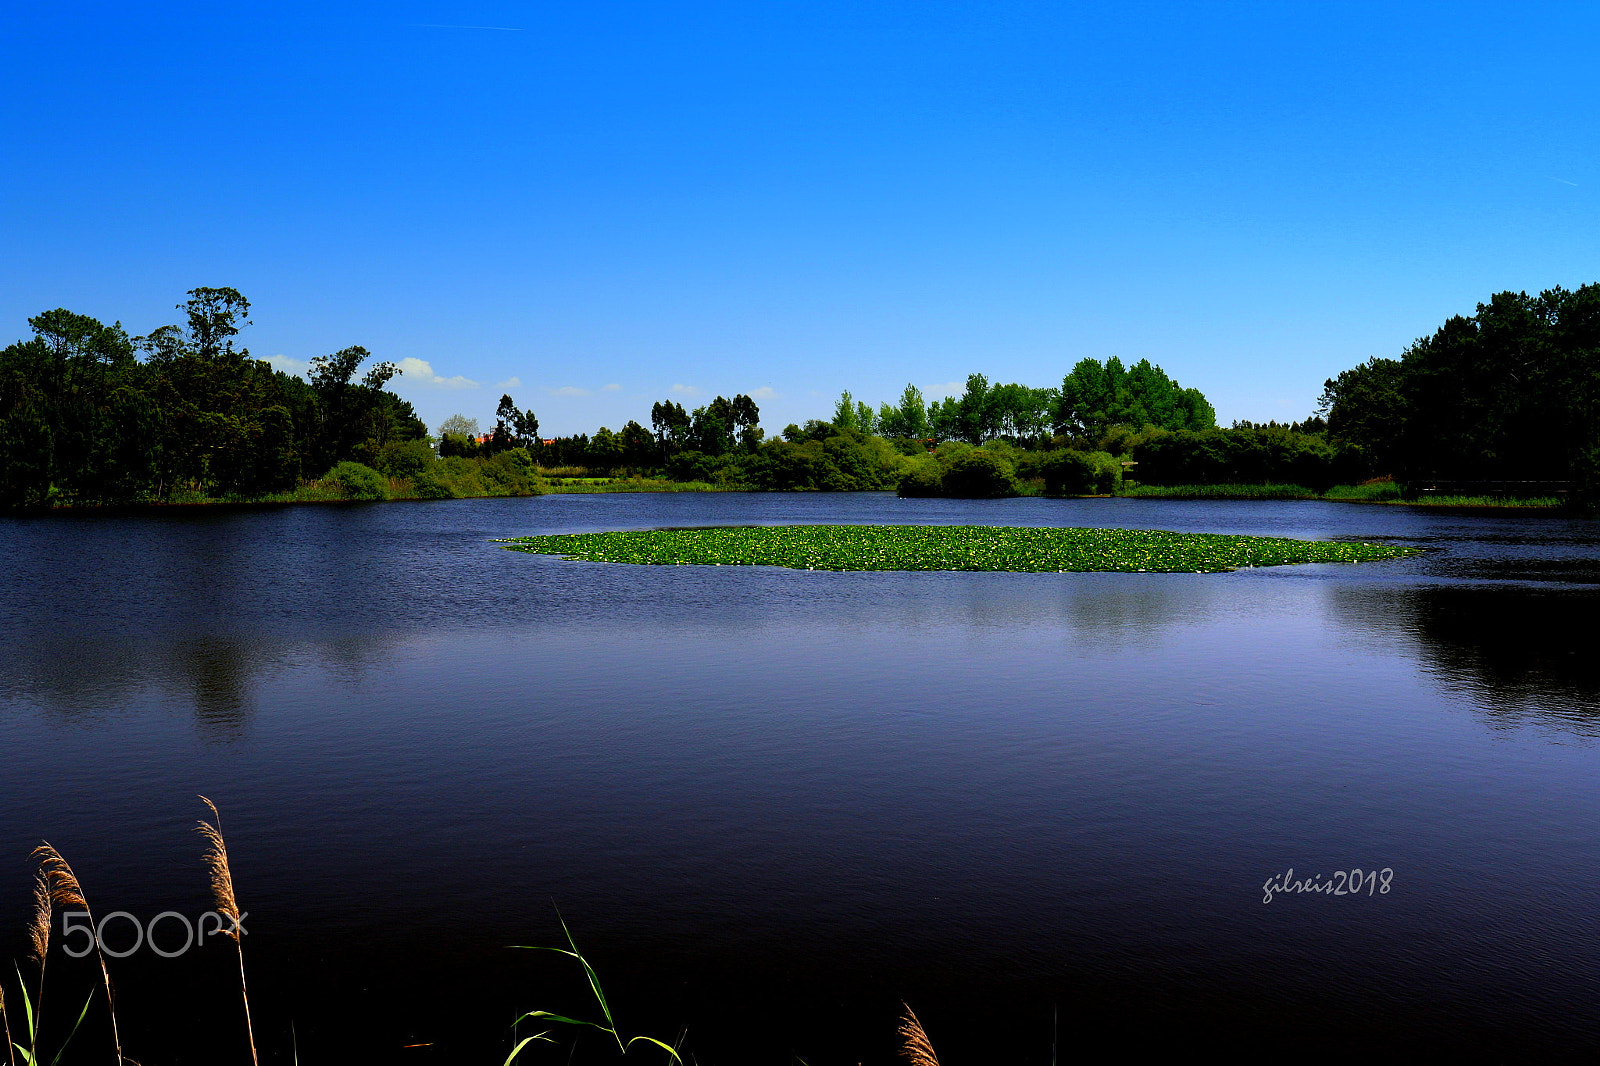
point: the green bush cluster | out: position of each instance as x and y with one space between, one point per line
1069 472
960 471
1243 455
1000 469
507 473
821 457
356 482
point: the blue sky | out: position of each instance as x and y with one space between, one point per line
595 206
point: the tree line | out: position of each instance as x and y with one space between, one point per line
85 419
978 443
89 414
1509 393
1093 397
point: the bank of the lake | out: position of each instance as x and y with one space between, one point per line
381 490
1387 493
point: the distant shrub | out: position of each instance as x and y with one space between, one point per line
511 473
979 475
691 466
432 484
1067 473
1245 456
357 482
461 477
844 460
922 478
1107 472
1125 440
405 458
958 471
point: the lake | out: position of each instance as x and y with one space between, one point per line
771 805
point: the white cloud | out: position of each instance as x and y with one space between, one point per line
686 390
510 383
610 388
765 392
289 366
569 390
420 372
949 388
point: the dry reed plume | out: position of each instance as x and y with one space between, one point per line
39 931
65 891
916 1050
227 904
39 934
221 875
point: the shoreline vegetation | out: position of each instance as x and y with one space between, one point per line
369 486
91 417
1387 494
966 548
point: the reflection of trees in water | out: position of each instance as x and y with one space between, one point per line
1523 653
1092 609
219 673
84 679
1085 610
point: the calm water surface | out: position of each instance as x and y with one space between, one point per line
772 804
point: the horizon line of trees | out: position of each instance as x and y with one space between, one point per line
1509 393
1093 397
979 441
89 414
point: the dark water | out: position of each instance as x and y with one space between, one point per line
773 804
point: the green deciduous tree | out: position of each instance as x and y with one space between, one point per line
1366 409
1094 397
672 426
908 419
1511 392
638 445
514 428
215 318
844 411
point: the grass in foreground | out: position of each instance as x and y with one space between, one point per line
950 548
57 888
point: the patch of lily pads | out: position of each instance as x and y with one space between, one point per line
977 548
